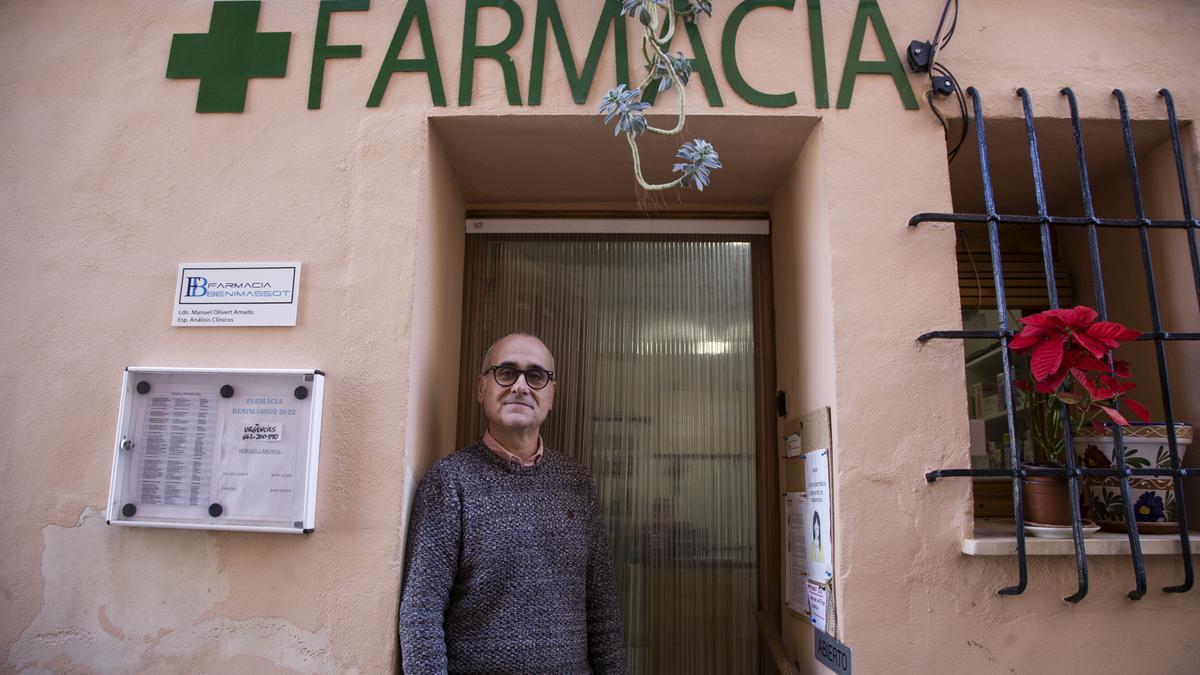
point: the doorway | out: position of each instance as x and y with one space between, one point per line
662 347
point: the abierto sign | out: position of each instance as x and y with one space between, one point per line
831 652
236 294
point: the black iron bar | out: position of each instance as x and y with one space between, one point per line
989 200
932 476
1180 496
1185 198
1162 335
1012 219
960 334
1089 210
1039 190
1159 352
1183 185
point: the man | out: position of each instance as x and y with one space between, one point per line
507 565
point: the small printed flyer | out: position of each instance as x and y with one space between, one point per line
259 455
817 518
797 559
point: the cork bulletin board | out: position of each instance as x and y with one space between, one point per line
806 448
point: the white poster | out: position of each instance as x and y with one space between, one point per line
212 295
797 559
173 457
260 455
817 516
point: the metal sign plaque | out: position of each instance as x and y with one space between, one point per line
236 294
832 653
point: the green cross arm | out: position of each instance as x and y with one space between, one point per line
228 56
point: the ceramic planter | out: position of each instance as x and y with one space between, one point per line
1153 497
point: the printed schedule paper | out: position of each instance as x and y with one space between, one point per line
177 439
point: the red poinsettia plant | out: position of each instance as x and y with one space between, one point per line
1070 361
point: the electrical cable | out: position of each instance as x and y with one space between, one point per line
974 270
938 43
962 110
953 26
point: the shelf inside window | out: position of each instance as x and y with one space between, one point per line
997 537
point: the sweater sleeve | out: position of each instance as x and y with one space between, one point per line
431 563
606 642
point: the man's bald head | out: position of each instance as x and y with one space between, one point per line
487 356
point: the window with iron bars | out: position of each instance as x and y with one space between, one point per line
1080 238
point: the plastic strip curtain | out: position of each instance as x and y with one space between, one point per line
655 362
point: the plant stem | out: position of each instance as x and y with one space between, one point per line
637 170
682 98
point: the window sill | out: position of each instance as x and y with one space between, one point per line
995 536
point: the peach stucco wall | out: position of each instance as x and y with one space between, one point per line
111 179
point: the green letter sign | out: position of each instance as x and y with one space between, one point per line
816 49
729 56
415 10
322 50
498 51
890 65
581 84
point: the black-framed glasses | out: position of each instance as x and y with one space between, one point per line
506 376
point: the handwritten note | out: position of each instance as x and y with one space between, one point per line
261 432
818 603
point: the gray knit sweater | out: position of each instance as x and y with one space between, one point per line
508 571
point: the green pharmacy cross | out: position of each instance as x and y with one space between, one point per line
228 56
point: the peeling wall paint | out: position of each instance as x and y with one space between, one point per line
145 613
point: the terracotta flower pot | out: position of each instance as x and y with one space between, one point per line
1153 497
1045 500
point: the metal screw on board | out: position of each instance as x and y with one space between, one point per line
126 444
143 387
226 391
128 510
215 510
302 392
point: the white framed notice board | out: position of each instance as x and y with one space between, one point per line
217 449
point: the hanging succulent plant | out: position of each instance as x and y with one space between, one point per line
699 158
658 19
622 104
